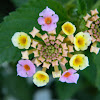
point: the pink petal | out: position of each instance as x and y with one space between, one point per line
47 12
62 79
64 73
41 20
73 78
49 27
72 71
30 72
55 18
20 71
21 62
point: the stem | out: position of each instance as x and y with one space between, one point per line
63 68
66 40
95 44
30 51
61 32
56 68
38 35
44 69
69 55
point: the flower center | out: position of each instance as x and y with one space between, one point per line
22 40
52 49
96 29
41 77
48 20
27 68
77 61
68 28
50 52
80 41
67 74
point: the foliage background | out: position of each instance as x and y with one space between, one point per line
23 18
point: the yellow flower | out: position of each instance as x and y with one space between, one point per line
21 40
40 78
79 61
68 28
82 41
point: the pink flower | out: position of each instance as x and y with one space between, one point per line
25 68
69 76
48 20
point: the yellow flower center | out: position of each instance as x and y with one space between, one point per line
23 40
41 77
80 41
68 28
67 74
48 20
78 61
27 68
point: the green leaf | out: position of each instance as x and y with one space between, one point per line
65 1
82 8
97 96
81 25
91 71
66 91
18 87
24 19
97 63
19 3
90 4
98 44
96 5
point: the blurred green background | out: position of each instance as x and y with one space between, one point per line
13 87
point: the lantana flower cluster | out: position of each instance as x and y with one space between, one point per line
93 25
51 49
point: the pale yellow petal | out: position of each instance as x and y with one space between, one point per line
94 12
25 54
46 64
52 32
88 24
56 74
64 46
70 48
61 38
37 62
55 63
63 61
45 36
36 53
94 49
34 44
87 17
34 32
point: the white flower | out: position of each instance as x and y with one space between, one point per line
21 40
